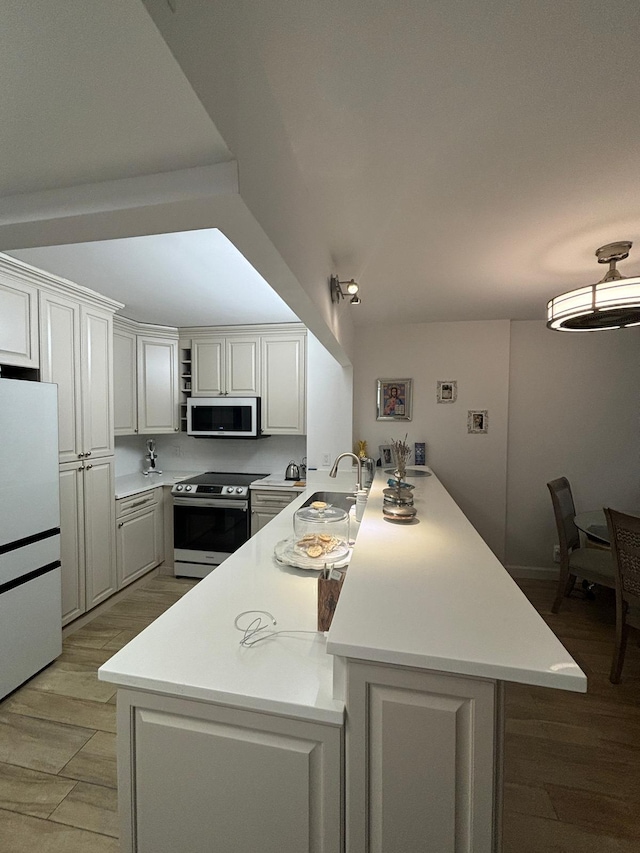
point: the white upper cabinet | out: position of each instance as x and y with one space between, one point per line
208 378
253 361
125 387
76 346
242 369
226 365
157 384
97 388
145 378
284 383
18 322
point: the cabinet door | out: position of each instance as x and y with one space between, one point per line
97 382
157 385
60 352
72 540
138 538
18 323
420 761
283 384
125 391
208 367
248 781
261 517
99 528
242 366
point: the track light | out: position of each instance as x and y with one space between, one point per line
351 289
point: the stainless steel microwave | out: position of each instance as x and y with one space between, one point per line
224 417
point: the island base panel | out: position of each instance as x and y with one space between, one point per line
422 756
201 777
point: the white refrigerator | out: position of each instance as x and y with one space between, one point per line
30 594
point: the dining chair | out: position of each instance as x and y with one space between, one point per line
591 564
624 532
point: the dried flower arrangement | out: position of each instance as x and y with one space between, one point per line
401 453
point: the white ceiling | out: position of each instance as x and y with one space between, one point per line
463 160
90 93
191 278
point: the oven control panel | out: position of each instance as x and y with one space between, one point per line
207 491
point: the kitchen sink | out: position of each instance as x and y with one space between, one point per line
410 473
344 500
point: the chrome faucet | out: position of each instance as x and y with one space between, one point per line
334 470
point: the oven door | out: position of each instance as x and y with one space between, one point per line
208 531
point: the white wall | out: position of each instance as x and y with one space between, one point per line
181 452
329 405
476 355
574 411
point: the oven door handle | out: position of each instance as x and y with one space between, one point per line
222 504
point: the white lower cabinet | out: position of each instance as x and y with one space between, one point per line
266 504
199 777
423 761
139 535
87 535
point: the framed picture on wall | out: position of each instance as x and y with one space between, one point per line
477 421
393 402
447 391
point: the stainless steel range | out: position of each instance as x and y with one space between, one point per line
211 520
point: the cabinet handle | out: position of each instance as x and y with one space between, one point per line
88 467
176 429
88 453
80 455
121 524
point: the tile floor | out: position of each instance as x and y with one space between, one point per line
57 737
572 763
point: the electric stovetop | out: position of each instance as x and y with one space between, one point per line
214 483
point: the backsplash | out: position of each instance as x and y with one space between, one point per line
184 453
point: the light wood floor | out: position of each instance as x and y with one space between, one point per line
572 761
572 764
57 737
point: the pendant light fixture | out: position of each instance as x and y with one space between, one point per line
613 303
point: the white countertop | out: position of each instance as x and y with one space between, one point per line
193 650
131 484
430 594
277 481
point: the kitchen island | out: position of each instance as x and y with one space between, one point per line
224 747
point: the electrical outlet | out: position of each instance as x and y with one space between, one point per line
556 553
326 459
177 449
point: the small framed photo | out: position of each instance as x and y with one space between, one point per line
447 391
394 400
385 454
477 421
